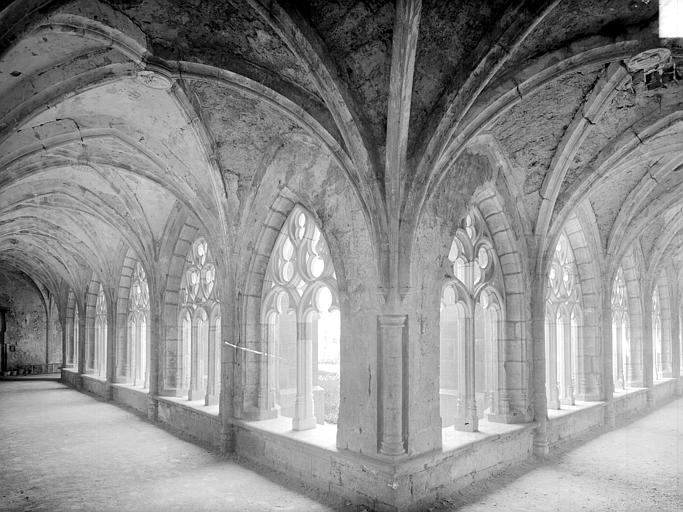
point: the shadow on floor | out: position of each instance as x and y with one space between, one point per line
38 376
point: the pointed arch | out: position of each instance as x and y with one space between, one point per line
514 349
471 316
71 326
631 264
621 332
661 327
122 353
299 363
562 324
198 296
181 231
91 296
134 320
99 356
581 232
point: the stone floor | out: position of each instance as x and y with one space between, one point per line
638 467
63 450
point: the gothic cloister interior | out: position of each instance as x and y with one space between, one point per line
387 247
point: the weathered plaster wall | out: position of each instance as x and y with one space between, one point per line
26 320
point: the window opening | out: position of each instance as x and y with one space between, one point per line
302 324
563 325
470 315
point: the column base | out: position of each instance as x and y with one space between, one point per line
610 415
152 408
255 414
469 424
108 391
304 423
541 444
227 441
541 447
392 448
554 404
196 394
509 417
168 392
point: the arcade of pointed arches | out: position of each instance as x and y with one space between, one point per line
301 328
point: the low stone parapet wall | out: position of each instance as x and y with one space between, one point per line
94 385
201 426
130 397
377 482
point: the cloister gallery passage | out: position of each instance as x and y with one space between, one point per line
386 247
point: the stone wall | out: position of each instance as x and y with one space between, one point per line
201 427
133 398
26 322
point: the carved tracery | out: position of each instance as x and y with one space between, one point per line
471 313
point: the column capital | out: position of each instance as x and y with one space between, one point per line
392 320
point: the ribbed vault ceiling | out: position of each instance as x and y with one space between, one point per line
115 116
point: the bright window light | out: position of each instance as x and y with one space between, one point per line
670 18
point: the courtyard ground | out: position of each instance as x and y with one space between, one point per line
63 450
